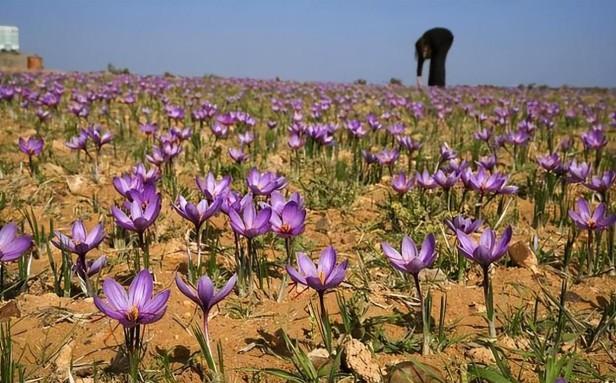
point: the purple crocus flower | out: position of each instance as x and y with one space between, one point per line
148 176
80 242
174 112
264 183
138 307
324 276
425 180
199 213
594 138
205 295
237 155
388 157
578 172
99 137
483 135
586 219
519 137
127 183
401 183
246 138
181 134
487 162
447 153
295 141
485 183
601 184
219 130
550 162
78 142
446 181
225 119
465 225
90 268
139 219
290 221
278 201
248 221
409 260
407 143
488 250
31 146
148 128
211 188
369 157
12 246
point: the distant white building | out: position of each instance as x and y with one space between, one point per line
9 38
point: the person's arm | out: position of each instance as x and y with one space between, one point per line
420 58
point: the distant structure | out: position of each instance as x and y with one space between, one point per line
11 59
9 39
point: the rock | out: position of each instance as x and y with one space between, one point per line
481 355
411 372
322 225
10 310
65 357
358 359
432 275
319 357
522 256
477 307
76 184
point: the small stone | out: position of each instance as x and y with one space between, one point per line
522 256
409 372
10 310
477 307
359 360
481 355
432 275
322 225
76 184
65 357
319 357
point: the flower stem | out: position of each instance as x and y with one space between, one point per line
589 254
425 316
282 292
1 281
326 328
146 250
487 293
199 234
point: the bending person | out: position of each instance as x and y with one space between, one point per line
433 45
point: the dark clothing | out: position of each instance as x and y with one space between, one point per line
438 41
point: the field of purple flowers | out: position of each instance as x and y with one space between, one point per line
170 229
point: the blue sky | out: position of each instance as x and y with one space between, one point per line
496 42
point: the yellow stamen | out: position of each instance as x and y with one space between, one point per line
132 314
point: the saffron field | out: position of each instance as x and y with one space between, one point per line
172 229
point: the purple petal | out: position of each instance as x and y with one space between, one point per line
154 308
7 233
79 231
187 290
116 295
327 260
140 289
